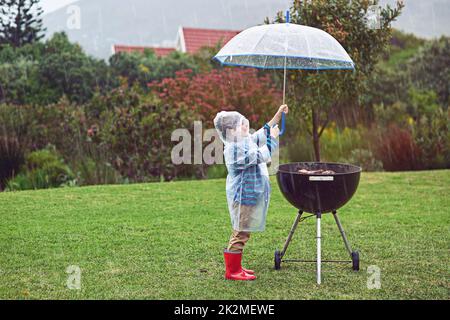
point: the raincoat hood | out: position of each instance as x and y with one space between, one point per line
229 125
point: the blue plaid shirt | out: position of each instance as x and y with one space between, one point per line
253 182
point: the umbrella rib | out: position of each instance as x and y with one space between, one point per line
309 50
265 61
260 39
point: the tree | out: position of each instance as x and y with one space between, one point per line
315 95
65 68
21 22
390 81
147 66
430 69
42 72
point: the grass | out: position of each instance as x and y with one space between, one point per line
165 240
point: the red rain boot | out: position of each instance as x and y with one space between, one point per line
233 268
248 271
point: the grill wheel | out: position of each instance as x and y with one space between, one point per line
355 260
277 260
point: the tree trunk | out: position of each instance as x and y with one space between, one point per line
18 22
315 134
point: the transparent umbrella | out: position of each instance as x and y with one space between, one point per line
285 46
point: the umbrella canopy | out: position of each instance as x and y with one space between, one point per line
285 45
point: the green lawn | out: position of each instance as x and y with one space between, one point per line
165 240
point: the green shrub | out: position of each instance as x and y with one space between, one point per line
365 159
217 171
429 69
300 149
138 137
142 68
18 80
336 144
413 134
43 169
15 121
396 113
122 136
90 171
432 135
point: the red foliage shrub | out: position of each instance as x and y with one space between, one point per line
398 150
243 90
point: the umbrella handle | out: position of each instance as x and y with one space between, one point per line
283 123
283 115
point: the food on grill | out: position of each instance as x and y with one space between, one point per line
320 171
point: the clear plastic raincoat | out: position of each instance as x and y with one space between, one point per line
246 155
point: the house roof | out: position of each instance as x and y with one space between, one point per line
195 38
159 51
192 39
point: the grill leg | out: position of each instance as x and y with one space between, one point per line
291 233
319 257
344 237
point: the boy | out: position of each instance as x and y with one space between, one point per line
247 186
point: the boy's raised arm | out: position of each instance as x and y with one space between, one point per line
276 118
242 157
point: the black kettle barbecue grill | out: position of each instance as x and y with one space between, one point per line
318 193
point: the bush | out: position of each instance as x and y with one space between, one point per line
18 80
432 135
365 159
66 126
95 169
217 171
336 144
122 96
122 136
429 69
396 113
299 149
43 169
59 124
142 68
15 121
138 135
11 159
139 138
206 94
421 119
398 151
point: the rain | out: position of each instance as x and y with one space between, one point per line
143 142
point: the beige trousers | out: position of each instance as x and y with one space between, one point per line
238 239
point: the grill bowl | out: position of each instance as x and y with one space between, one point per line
316 193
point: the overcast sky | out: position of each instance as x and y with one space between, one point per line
52 5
